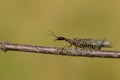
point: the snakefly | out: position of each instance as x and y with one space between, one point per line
92 44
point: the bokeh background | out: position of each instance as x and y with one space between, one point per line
29 22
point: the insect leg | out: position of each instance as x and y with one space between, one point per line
70 45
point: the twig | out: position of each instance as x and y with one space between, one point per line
5 46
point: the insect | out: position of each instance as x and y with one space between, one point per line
92 44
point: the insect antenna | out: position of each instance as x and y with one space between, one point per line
53 34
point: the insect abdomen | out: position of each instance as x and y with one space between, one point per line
89 46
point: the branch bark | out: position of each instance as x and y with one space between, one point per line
5 46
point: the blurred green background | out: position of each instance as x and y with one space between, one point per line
29 22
